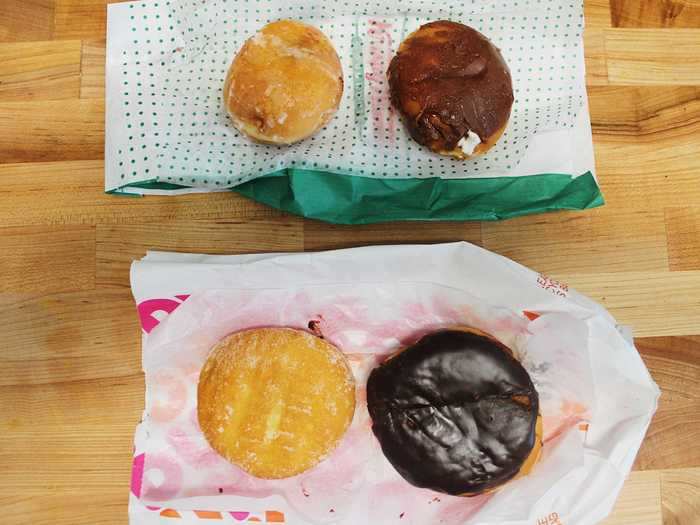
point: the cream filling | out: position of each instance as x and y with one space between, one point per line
469 142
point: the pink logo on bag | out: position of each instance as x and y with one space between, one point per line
137 475
150 308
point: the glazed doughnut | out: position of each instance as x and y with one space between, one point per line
453 89
456 413
284 84
275 401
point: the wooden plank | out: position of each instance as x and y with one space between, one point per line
656 179
26 20
683 231
671 441
679 496
652 303
92 69
597 13
596 64
47 259
73 192
58 340
116 414
635 176
73 450
80 336
68 508
653 56
322 236
82 19
569 242
646 143
51 402
655 13
39 70
51 130
645 114
639 502
118 245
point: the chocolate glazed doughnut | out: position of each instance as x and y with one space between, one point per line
455 413
452 87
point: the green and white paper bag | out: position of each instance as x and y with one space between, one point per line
167 130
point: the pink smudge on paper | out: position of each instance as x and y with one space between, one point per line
173 395
339 323
192 447
333 321
571 413
223 481
390 503
396 500
419 319
506 323
249 312
361 413
336 481
380 48
194 418
459 510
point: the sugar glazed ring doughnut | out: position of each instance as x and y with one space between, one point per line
275 401
456 413
453 89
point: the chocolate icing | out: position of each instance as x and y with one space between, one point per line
455 412
447 79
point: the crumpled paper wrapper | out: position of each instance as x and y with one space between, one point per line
367 322
597 397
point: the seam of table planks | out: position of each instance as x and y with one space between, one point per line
71 390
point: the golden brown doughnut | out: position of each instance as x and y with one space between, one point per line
284 84
275 401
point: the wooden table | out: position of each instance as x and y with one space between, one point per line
71 388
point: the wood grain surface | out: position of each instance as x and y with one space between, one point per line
72 391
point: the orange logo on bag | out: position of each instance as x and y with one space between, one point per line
556 287
551 519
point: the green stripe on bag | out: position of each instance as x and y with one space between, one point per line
350 199
344 199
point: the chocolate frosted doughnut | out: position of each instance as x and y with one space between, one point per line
455 412
452 87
